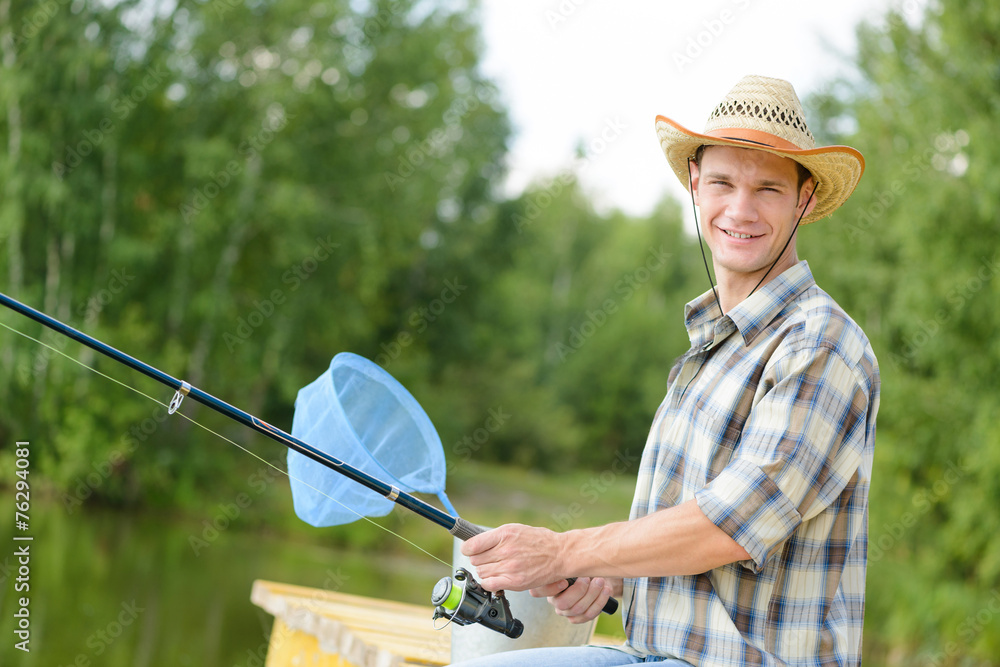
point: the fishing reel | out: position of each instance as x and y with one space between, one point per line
462 600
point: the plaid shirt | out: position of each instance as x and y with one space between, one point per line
769 423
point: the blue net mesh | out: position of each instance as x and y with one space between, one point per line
359 414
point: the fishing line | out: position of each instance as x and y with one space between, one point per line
219 435
456 525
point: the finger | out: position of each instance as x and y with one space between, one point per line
596 608
571 595
480 543
581 601
499 583
550 590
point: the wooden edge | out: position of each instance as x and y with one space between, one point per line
362 630
320 613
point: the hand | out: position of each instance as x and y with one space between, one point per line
579 603
515 557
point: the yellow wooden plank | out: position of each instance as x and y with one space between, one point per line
313 627
374 626
294 647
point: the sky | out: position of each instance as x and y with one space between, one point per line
595 73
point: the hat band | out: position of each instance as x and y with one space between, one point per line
753 136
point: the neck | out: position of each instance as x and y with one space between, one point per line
735 286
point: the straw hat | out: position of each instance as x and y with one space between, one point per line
765 114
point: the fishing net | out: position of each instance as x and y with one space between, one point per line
359 414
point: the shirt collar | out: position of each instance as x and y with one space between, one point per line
752 315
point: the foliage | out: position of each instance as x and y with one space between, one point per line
231 192
235 191
914 256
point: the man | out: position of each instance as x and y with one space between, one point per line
747 539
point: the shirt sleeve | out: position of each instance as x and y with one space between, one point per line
801 444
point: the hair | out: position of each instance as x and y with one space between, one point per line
804 174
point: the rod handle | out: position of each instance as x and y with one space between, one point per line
465 530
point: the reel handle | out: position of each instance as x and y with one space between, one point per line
466 530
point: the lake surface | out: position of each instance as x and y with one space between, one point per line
122 589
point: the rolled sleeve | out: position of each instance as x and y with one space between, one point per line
745 503
798 450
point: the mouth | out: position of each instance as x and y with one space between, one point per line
737 235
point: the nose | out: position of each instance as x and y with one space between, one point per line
741 206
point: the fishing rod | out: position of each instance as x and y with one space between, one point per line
458 527
493 611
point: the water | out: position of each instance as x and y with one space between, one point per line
131 590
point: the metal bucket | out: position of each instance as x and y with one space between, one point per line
542 626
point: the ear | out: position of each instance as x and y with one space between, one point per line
693 173
807 197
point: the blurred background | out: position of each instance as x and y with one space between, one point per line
234 191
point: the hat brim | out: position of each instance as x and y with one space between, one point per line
837 168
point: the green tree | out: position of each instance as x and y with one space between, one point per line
575 331
233 192
913 256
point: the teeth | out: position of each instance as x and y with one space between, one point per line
739 236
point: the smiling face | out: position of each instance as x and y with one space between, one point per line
749 203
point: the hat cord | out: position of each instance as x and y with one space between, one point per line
701 245
790 237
